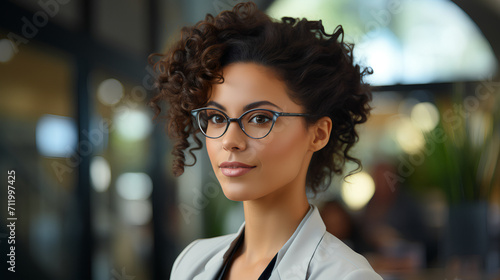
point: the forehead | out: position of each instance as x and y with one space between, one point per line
246 82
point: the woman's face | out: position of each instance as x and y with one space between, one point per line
277 163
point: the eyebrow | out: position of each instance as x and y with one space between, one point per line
247 107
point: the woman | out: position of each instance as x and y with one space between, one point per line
278 103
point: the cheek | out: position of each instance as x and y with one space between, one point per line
212 150
283 154
280 147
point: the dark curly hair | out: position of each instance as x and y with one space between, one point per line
317 68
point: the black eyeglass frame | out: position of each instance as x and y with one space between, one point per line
276 114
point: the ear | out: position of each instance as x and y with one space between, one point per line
320 131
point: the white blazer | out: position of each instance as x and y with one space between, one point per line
310 253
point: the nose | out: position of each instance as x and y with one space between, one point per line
234 139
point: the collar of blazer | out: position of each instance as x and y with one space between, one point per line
293 258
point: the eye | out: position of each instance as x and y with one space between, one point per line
216 118
260 119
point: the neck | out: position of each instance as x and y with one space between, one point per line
270 222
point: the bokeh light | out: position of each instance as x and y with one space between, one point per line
134 186
100 173
56 136
408 136
6 50
425 116
110 91
357 190
132 124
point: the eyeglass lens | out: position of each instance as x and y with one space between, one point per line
256 124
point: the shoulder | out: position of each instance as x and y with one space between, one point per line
206 246
333 257
202 249
199 252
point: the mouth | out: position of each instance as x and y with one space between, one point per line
235 169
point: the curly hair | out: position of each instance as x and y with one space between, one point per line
317 68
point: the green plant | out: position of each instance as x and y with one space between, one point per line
471 145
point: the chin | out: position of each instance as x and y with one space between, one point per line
238 192
236 197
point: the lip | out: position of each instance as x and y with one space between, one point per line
234 168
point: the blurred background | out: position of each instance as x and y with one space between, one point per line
94 194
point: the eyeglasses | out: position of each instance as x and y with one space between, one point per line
255 123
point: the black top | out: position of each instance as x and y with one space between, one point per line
223 272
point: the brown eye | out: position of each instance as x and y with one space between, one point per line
217 118
260 119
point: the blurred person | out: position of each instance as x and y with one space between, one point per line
278 103
393 226
340 223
